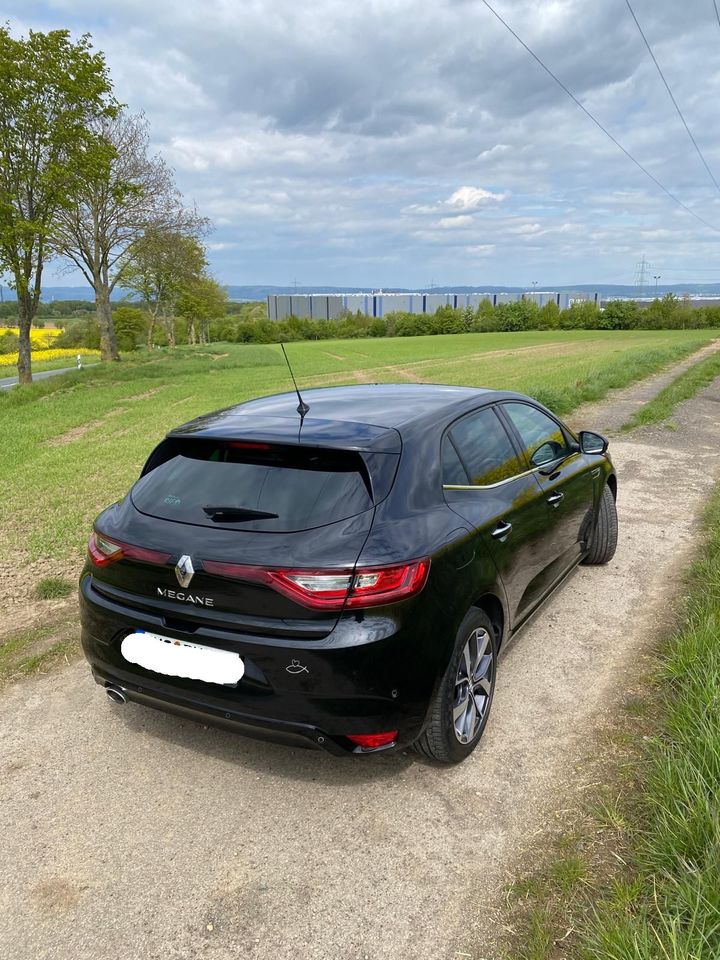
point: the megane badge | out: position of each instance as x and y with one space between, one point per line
184 571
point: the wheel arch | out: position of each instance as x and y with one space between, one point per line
493 607
612 485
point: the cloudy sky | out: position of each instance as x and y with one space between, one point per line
399 142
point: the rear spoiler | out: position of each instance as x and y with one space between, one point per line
310 432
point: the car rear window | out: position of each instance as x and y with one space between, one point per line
252 486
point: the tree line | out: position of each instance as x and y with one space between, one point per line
249 323
665 314
78 182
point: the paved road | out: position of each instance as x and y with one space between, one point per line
7 382
129 833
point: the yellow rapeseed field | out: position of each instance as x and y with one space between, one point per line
39 339
9 359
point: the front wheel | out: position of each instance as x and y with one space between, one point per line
461 704
602 546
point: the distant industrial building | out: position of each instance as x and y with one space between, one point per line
320 306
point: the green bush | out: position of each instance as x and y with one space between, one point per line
131 325
80 333
9 342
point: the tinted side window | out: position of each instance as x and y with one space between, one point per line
485 448
453 471
541 436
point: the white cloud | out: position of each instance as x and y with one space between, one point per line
453 223
471 198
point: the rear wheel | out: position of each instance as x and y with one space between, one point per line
461 705
603 543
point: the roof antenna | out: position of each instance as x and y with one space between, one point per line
302 407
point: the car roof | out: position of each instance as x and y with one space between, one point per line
361 416
381 404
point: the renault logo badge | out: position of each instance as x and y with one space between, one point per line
184 571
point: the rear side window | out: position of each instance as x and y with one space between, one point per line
453 471
484 448
542 437
247 486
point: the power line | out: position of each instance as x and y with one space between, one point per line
717 12
670 94
599 124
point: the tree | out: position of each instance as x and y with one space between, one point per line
113 209
130 325
158 268
52 91
201 300
621 315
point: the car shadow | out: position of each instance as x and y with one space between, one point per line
295 763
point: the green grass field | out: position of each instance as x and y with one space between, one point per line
75 443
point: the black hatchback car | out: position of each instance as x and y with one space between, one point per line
346 578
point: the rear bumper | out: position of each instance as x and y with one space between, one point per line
259 728
369 676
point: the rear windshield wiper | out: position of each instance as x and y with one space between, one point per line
238 514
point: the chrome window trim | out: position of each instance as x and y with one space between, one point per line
490 486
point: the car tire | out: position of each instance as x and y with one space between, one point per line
452 734
603 542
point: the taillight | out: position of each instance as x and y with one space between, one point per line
103 551
334 589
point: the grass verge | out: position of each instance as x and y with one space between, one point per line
643 881
38 650
689 383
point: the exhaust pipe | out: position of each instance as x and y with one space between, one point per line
115 694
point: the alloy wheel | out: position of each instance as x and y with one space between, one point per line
473 685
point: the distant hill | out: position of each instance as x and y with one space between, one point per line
260 292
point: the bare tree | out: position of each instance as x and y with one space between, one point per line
113 212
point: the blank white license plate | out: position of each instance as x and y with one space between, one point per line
179 658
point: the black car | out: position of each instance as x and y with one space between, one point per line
343 577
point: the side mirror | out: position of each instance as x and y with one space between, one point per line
592 442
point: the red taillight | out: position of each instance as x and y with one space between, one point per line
334 589
246 445
371 741
103 551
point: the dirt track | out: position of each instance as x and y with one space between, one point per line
130 834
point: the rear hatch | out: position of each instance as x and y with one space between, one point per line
238 508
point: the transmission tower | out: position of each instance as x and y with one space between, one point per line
641 276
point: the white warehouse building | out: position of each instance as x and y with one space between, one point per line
321 306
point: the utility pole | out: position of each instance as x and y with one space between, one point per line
656 277
534 286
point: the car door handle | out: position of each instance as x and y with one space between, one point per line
555 498
501 530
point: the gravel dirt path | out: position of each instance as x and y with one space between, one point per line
127 833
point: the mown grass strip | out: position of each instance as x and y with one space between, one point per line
686 385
